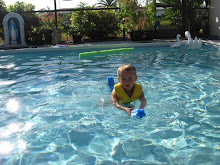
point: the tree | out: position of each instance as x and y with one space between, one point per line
21 7
3 12
136 17
107 3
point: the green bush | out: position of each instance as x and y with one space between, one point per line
136 17
37 37
97 25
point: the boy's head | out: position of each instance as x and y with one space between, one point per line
127 76
126 68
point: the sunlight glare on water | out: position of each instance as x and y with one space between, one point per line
56 109
5 147
12 105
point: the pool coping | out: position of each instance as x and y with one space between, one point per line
106 44
92 45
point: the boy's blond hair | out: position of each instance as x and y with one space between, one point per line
125 68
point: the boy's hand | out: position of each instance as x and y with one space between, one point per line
128 111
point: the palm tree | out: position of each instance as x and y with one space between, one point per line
107 3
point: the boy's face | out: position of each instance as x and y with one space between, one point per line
127 79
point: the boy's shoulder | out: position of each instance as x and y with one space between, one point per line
138 85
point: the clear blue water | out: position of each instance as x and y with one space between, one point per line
56 109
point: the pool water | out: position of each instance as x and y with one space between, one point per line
56 109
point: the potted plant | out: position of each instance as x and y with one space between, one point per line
74 31
76 34
137 20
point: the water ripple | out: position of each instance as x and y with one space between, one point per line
56 108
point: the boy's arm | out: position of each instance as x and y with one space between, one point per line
143 101
115 101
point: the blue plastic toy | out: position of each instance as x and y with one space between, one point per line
138 113
111 83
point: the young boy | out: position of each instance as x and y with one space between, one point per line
127 90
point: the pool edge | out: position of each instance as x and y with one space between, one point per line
107 45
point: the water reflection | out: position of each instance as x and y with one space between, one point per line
6 82
27 126
5 147
17 145
9 66
14 128
21 145
12 105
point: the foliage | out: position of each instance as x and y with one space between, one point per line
195 17
178 3
80 23
150 12
107 3
37 36
67 25
136 17
105 23
47 20
93 23
21 7
3 12
129 14
174 14
31 19
74 25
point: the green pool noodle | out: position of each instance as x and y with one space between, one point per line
102 52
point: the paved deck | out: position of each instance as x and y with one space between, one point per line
111 44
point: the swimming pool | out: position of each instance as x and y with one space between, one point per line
56 109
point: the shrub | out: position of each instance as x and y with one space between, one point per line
97 25
136 17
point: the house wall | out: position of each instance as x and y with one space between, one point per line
214 18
